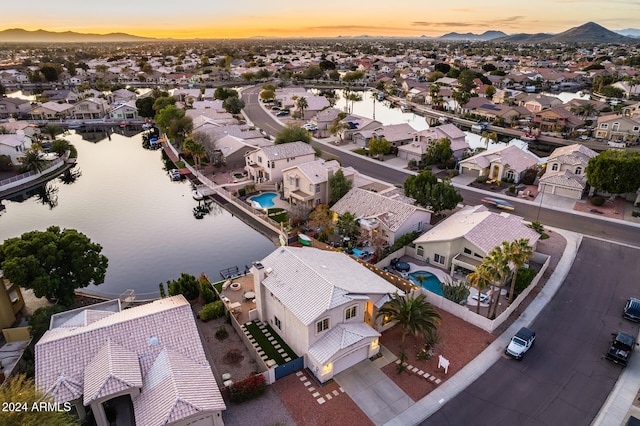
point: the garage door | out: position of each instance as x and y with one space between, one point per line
350 359
568 192
470 172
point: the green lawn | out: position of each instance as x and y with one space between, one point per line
267 346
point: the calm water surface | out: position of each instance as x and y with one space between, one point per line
125 201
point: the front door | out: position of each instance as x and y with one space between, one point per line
368 314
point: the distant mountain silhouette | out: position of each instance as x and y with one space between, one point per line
629 32
586 33
19 35
487 35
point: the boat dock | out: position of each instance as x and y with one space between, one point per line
230 272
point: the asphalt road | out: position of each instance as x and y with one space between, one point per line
592 226
563 379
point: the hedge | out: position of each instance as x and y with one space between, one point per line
211 311
248 388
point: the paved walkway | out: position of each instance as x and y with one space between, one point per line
373 391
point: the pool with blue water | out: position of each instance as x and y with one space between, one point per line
429 281
264 200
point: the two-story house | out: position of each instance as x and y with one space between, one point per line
463 239
13 107
323 304
265 164
127 110
557 119
423 138
396 134
566 171
50 111
14 146
90 108
308 183
388 213
618 128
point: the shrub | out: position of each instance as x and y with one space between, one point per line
511 189
524 278
529 177
187 285
450 163
452 173
242 192
482 179
635 213
222 333
412 164
248 388
597 201
456 292
208 295
211 311
537 226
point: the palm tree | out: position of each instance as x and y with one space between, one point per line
302 104
32 160
518 252
51 130
497 265
489 136
587 109
480 279
414 314
348 225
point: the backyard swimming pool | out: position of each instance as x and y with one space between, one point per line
429 281
264 201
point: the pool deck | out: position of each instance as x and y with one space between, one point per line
277 202
439 273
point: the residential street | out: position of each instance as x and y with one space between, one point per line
564 378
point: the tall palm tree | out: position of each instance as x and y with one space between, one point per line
489 136
518 252
302 104
481 279
414 314
348 225
497 265
32 160
587 109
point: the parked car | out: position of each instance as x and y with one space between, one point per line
520 343
496 202
632 309
480 127
621 348
282 113
310 127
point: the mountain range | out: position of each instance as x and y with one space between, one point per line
42 36
586 33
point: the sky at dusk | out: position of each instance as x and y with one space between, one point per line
287 18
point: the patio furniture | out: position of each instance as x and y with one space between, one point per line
235 305
249 295
226 376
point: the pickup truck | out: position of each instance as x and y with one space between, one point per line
621 348
520 343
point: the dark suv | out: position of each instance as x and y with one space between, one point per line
621 348
632 309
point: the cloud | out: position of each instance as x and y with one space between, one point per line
461 10
443 24
510 20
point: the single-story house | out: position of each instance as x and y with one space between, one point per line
323 304
148 359
502 163
463 239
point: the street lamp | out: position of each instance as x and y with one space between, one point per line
540 205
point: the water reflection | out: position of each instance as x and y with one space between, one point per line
70 176
47 195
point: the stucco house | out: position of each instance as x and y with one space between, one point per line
14 146
13 107
557 119
127 110
18 126
566 171
423 138
396 134
308 183
618 128
463 239
265 164
50 111
146 362
323 304
386 212
357 124
502 163
90 108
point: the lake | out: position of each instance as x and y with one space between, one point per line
125 201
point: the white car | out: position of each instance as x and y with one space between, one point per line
310 127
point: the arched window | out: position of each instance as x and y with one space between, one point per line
555 167
578 170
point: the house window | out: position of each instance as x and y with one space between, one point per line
636 129
259 159
578 170
276 321
386 319
511 175
322 325
467 251
555 167
350 313
317 189
420 251
439 259
604 126
311 188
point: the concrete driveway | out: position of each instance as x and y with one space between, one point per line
375 393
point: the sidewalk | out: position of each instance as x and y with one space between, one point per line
431 403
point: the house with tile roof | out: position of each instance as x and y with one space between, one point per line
557 119
463 239
618 128
387 212
13 107
307 184
14 146
566 171
323 304
356 124
396 134
148 361
423 138
90 108
265 164
123 111
50 110
502 163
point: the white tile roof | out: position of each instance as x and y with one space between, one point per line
564 178
112 370
287 150
574 155
310 281
362 203
317 171
480 227
13 140
65 354
510 156
342 336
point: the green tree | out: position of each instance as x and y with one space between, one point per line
51 130
163 101
496 263
223 93
53 262
50 72
348 226
60 146
379 146
302 104
187 285
3 91
443 196
465 80
419 186
339 185
145 107
353 76
322 218
313 72
428 192
267 95
248 76
292 133
415 315
32 161
490 91
481 279
23 390
518 253
174 122
233 105
195 150
489 136
338 127
438 151
40 320
614 171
